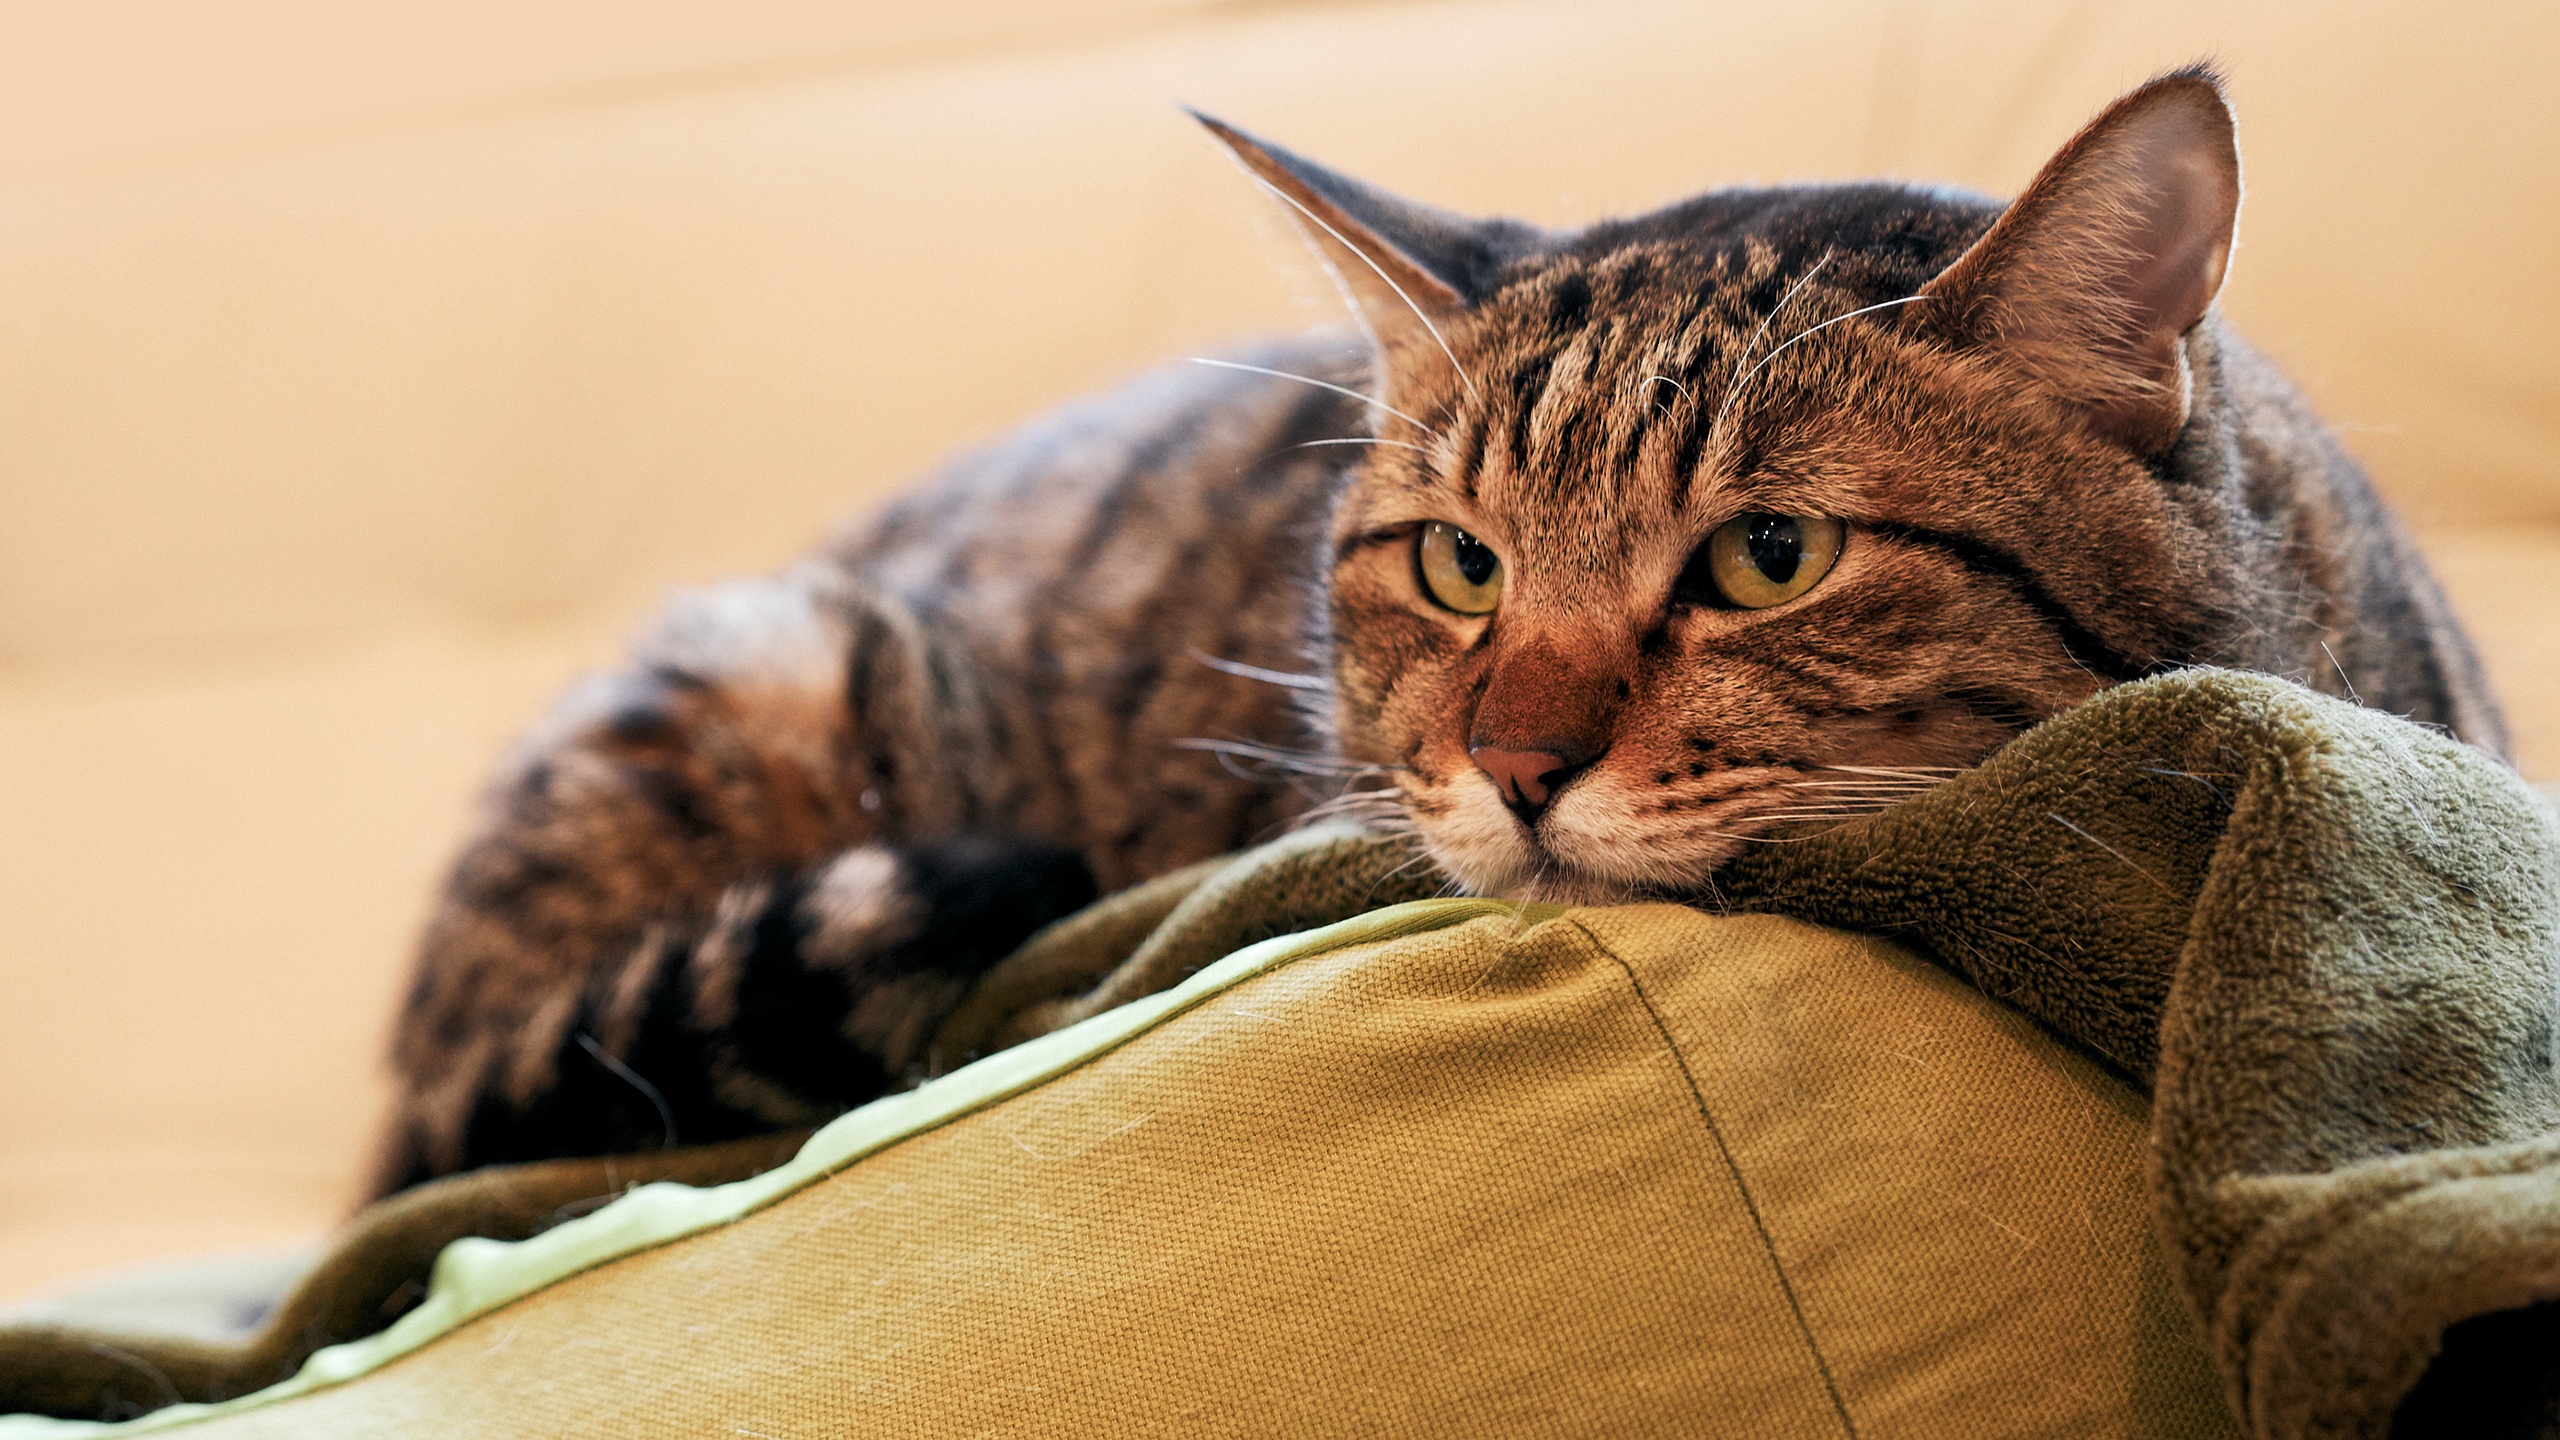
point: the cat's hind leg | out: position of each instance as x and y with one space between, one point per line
795 998
725 891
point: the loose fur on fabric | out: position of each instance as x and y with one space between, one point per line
740 885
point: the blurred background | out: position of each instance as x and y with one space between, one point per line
365 371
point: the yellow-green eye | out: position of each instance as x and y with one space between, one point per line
1759 560
1459 570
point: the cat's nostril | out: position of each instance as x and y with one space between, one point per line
1526 778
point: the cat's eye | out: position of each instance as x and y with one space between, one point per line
1758 559
1459 570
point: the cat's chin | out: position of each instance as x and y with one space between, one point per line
1587 850
1550 884
1559 886
1518 867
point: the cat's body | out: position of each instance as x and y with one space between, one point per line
733 889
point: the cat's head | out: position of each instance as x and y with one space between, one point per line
1691 529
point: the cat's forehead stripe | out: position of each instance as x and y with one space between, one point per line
1627 357
1616 409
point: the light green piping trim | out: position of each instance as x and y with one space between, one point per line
475 1276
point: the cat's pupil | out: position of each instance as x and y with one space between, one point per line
1475 561
1776 544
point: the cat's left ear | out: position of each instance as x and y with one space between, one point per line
2092 277
1403 267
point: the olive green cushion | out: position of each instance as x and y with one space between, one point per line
1600 1172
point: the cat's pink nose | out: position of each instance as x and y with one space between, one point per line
1523 776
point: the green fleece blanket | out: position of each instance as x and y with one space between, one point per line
2324 938
2328 939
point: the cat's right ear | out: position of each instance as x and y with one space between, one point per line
2092 278
1404 268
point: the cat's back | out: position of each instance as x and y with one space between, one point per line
1192 478
2362 613
1083 573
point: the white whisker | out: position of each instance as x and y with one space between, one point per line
1760 334
1363 440
1383 806
1305 761
1809 331
1344 241
1369 400
1832 805
1838 802
1289 678
1421 858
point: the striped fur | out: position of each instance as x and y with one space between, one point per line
734 888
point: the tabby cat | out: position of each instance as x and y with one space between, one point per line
1593 558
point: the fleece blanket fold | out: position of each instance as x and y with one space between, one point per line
2328 939
2325 940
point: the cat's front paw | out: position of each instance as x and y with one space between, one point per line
824 989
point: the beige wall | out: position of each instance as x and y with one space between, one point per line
361 378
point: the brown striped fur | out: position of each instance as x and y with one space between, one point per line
730 889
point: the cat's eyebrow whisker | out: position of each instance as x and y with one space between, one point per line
1762 333
1661 408
1290 678
1369 400
1811 330
1363 440
1344 241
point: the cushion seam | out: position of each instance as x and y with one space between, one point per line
1742 1187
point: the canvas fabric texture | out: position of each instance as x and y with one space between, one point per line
1647 1168
371 1274
1579 1175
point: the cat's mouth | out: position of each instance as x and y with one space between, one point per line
1601 844
1588 848
1646 830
